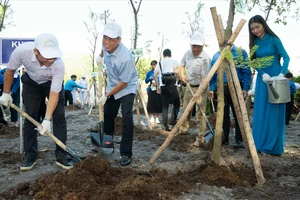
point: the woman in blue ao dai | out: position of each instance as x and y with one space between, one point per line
269 119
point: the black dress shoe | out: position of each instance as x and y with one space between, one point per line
63 162
238 145
27 164
225 142
125 160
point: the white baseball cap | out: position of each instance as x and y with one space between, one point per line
83 76
47 45
112 30
197 39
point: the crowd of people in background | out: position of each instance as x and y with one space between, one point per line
168 84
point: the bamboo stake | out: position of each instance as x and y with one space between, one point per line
144 106
237 107
242 112
200 90
216 152
248 132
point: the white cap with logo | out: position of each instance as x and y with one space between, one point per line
47 45
112 30
197 39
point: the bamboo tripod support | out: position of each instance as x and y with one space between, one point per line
239 105
141 97
197 94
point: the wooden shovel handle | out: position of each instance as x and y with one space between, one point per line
50 135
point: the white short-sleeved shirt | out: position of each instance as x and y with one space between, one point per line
196 67
168 65
24 55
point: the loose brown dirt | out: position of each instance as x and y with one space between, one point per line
181 172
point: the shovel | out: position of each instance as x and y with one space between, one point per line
4 120
102 140
50 135
208 135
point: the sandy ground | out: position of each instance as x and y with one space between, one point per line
181 171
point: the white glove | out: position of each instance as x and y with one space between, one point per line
5 98
265 77
281 75
103 100
99 61
45 127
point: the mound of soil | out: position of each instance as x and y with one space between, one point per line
95 179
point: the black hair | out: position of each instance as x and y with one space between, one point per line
289 75
73 76
153 62
258 19
167 53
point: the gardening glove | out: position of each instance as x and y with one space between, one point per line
5 98
103 100
281 75
265 77
45 127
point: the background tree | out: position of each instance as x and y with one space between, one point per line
92 28
5 14
282 8
136 24
194 21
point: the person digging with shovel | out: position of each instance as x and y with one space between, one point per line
43 78
121 87
194 67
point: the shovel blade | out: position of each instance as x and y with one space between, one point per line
208 136
95 138
102 140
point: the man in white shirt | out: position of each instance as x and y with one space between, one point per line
83 92
194 67
168 90
43 78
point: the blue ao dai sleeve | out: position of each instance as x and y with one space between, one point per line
282 52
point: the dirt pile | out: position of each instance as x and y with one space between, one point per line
95 179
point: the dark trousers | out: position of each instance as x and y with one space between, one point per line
111 109
289 110
42 111
68 97
169 95
16 100
226 121
33 94
1 91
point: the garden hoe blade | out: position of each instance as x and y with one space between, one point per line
102 140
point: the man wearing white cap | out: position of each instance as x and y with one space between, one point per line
83 92
121 87
43 78
194 67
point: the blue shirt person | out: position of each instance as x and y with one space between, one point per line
15 94
268 119
69 86
290 105
154 104
121 87
244 75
